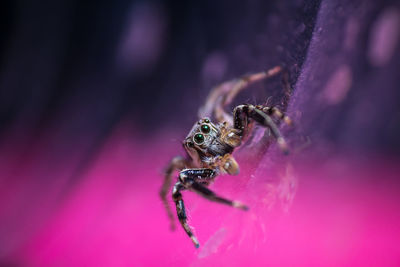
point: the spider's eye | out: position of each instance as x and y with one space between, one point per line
198 139
205 128
207 121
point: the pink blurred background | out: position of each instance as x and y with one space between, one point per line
345 212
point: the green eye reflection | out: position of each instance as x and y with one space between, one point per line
205 128
198 138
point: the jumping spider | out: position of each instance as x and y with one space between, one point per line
209 145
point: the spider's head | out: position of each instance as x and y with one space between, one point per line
201 135
205 139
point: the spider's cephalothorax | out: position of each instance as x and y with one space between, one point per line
209 145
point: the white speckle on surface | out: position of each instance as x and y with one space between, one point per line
211 246
338 85
384 37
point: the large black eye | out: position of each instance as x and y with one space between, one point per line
205 128
198 138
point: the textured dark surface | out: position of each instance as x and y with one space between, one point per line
349 95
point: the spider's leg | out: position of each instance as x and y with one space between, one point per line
180 210
186 178
194 179
201 175
243 113
177 163
222 95
274 111
210 195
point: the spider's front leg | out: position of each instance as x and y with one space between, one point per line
195 180
243 113
177 163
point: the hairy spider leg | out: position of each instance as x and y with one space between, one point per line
180 210
223 94
274 111
194 180
177 163
241 116
210 195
